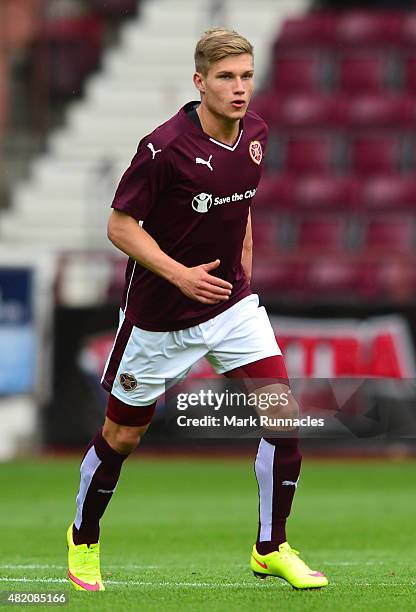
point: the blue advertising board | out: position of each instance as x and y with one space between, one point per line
17 331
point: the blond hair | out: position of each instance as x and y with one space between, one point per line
217 43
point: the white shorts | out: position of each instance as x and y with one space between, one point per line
142 361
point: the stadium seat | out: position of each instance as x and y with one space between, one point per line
372 154
407 32
388 192
296 74
384 110
265 233
395 280
389 235
72 49
334 278
361 74
306 111
277 276
314 29
368 28
410 73
316 191
274 191
322 234
309 154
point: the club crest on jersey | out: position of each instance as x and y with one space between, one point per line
256 151
128 382
202 202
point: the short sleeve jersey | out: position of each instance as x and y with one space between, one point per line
193 195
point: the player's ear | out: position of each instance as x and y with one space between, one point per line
199 82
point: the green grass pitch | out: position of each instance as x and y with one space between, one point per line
178 534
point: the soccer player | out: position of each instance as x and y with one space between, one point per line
182 215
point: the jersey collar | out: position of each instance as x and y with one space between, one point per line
189 110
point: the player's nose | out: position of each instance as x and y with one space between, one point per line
239 86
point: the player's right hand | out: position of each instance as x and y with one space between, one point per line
198 284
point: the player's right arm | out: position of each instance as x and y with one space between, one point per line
196 283
152 171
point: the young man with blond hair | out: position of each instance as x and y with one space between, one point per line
187 295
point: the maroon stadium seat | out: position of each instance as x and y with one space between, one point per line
309 30
309 154
393 234
368 28
328 190
322 234
395 280
277 275
306 110
384 110
331 277
296 74
274 191
389 191
265 233
410 73
361 74
371 154
407 33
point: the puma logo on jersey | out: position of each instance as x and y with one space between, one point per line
199 160
152 149
291 483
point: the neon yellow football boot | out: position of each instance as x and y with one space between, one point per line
285 563
84 565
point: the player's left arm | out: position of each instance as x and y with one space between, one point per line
247 252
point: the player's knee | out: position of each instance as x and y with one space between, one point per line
122 438
281 409
291 411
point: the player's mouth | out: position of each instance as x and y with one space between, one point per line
238 103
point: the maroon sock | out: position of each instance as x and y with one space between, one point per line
100 470
277 471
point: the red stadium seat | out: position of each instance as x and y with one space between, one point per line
335 276
407 33
296 74
276 275
384 110
315 191
410 73
274 191
361 74
388 191
376 154
315 29
368 28
265 233
309 154
395 280
322 234
306 110
390 235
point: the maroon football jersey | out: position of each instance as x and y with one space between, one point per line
193 195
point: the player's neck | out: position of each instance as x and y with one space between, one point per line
223 130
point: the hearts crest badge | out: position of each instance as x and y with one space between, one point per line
256 151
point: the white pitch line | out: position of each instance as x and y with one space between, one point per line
213 585
62 567
151 567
